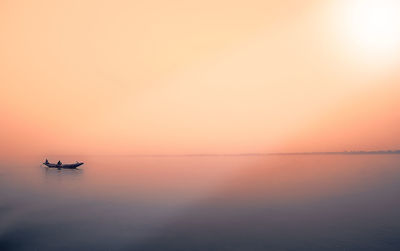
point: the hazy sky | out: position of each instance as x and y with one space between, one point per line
170 77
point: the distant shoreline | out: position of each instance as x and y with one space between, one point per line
242 154
269 154
337 153
263 154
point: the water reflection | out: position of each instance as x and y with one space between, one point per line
54 173
207 203
341 203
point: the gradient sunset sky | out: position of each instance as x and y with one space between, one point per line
187 77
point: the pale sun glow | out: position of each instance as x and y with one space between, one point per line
370 28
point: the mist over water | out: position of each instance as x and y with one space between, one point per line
313 202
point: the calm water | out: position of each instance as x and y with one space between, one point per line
202 203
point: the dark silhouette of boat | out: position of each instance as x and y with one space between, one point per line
61 165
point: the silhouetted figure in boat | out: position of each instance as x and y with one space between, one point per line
46 162
59 163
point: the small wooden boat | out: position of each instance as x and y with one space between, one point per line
61 165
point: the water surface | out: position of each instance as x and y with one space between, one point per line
312 202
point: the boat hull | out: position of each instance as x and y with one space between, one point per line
66 166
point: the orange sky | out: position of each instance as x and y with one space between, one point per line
171 77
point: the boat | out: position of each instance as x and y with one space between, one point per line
60 165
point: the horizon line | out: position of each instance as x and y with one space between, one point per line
242 154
